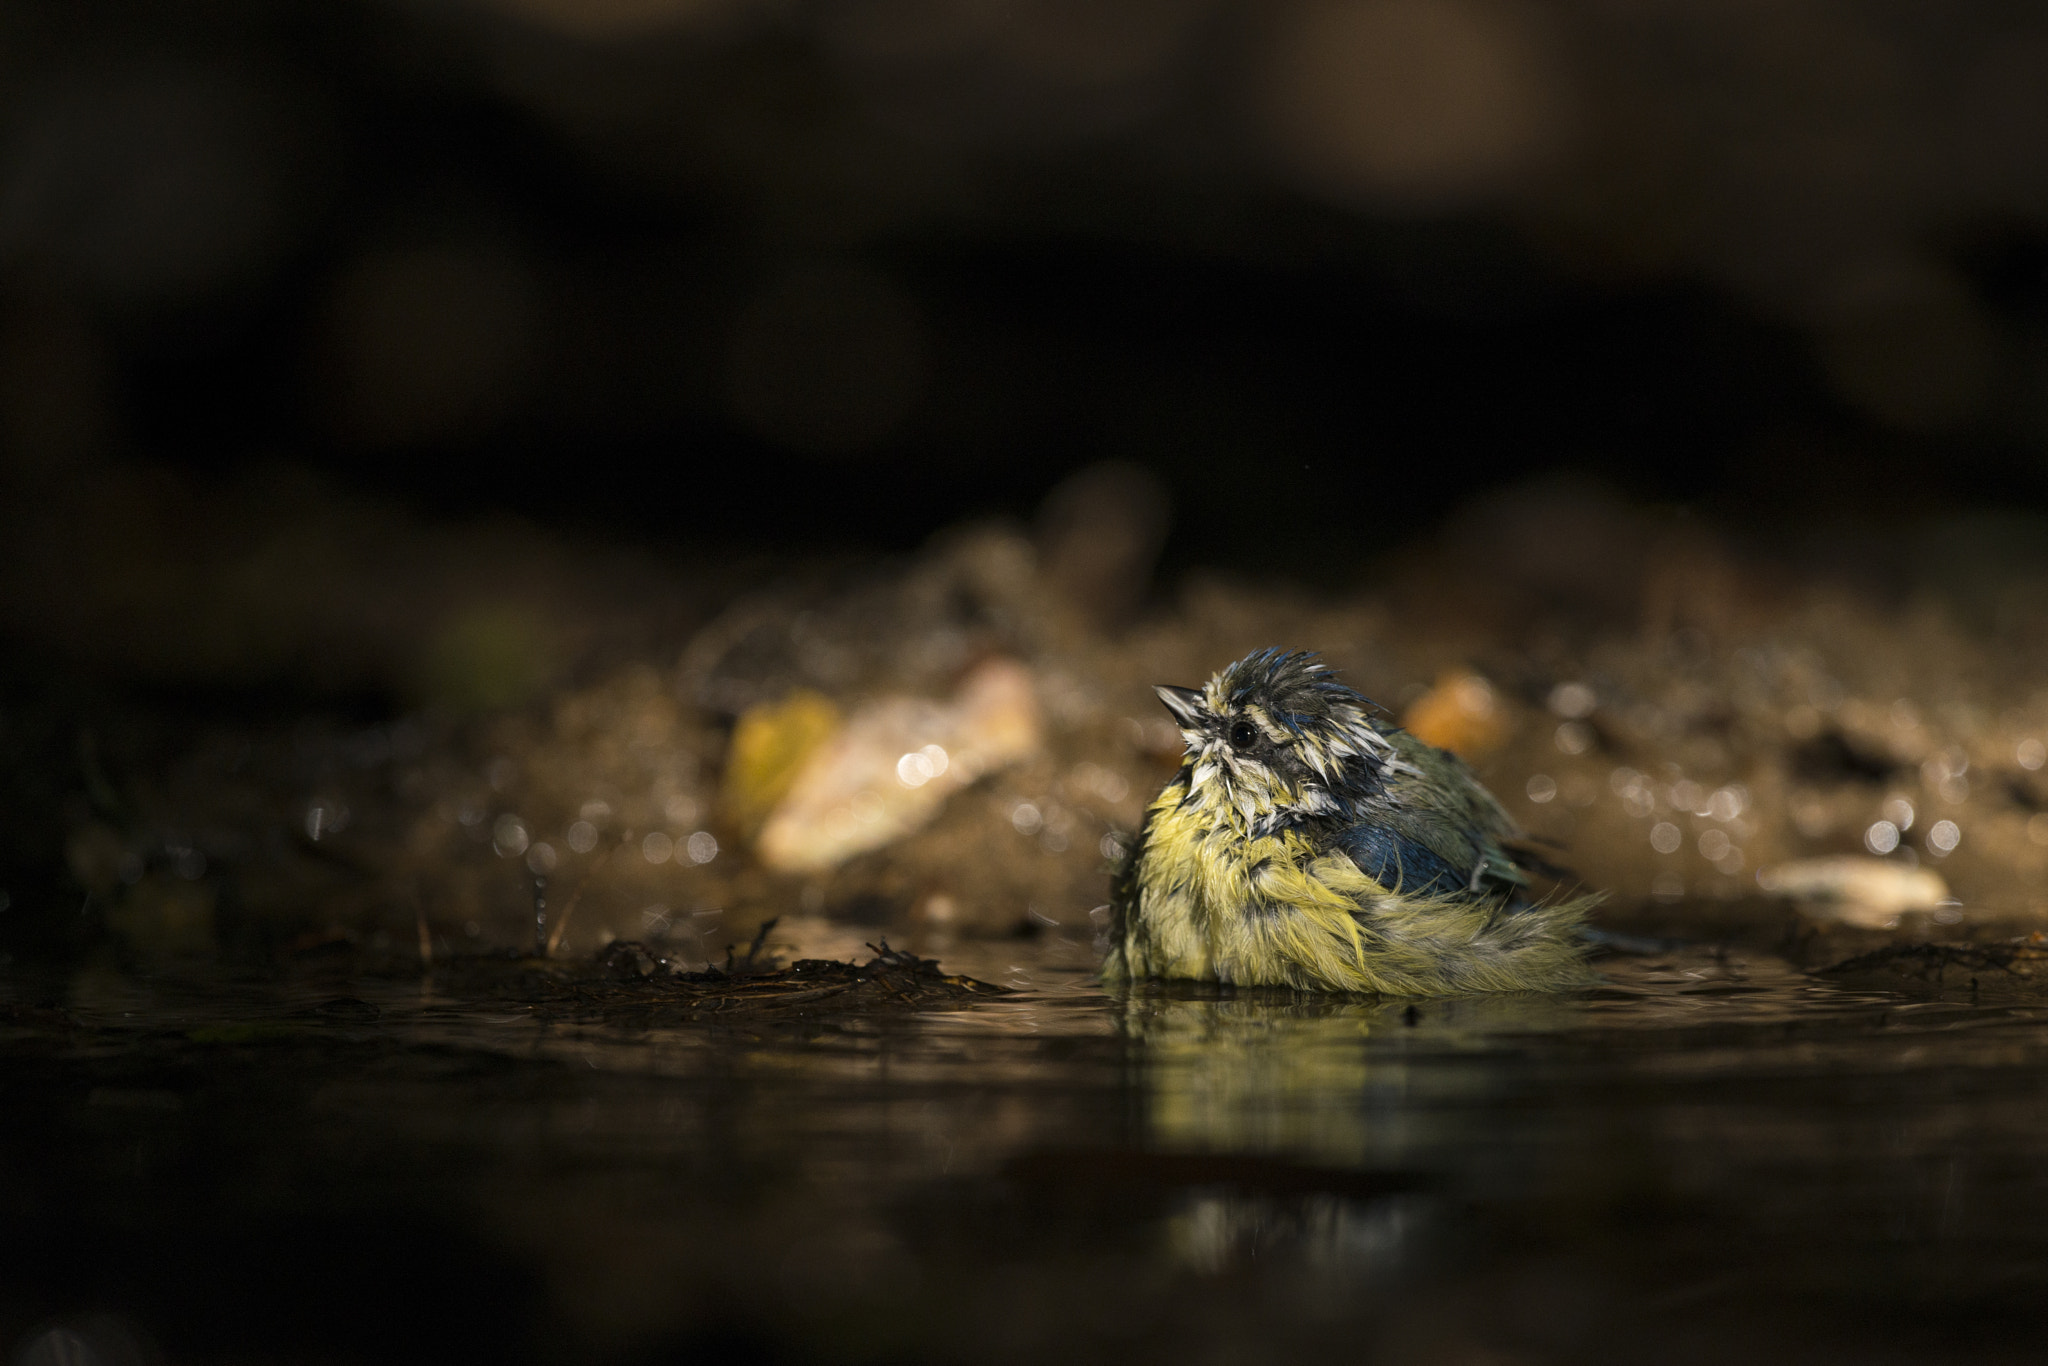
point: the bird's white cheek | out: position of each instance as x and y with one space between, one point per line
1316 801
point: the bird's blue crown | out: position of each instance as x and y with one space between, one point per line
1276 740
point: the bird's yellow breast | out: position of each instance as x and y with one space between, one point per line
1216 902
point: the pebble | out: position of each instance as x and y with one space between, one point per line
1459 713
890 769
1869 893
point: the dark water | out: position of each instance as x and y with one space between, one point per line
1714 1159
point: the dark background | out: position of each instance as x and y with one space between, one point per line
799 274
373 372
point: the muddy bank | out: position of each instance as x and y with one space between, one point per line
439 739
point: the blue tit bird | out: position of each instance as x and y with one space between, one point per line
1304 844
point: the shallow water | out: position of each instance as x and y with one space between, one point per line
1714 1157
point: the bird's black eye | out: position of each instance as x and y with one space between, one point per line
1243 735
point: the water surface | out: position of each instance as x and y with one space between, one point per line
1714 1157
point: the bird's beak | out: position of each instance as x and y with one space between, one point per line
1184 703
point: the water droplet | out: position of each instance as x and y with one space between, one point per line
1665 837
325 816
509 836
1899 812
2030 754
656 846
914 769
583 837
1025 817
702 847
1572 701
1943 836
1541 787
1881 838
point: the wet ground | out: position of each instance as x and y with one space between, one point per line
1716 1157
364 993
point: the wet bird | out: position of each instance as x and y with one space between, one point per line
1305 844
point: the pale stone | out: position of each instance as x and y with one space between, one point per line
857 793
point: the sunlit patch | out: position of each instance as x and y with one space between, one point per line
920 766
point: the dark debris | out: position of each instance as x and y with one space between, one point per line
2017 957
636 977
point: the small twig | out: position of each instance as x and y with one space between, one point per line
754 949
890 987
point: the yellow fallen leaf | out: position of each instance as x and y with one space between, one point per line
770 746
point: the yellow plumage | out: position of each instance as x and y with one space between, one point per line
1246 871
1272 912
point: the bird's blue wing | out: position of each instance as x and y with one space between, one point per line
1397 862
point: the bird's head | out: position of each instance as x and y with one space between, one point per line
1276 739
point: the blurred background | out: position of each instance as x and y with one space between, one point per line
379 359
776 272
